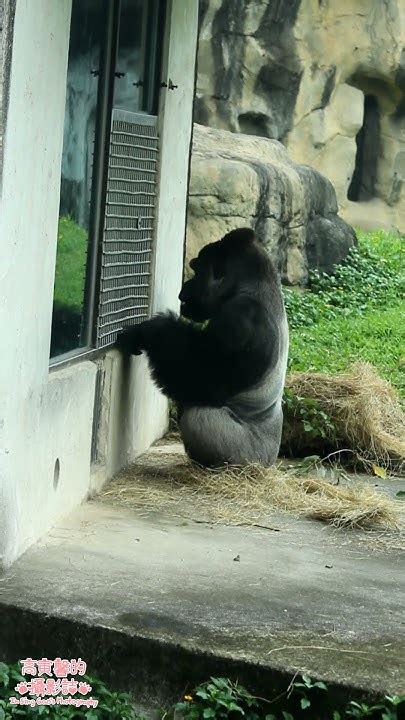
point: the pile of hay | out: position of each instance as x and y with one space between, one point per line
364 409
368 420
247 495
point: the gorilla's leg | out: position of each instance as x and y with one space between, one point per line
215 436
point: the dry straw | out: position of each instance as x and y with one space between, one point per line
366 412
247 495
364 408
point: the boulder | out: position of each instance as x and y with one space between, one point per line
247 181
325 78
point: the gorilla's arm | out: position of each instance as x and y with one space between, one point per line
195 366
175 351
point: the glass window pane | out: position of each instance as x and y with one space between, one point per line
129 76
77 160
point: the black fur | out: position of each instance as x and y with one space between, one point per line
222 364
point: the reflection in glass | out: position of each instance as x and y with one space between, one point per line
136 77
74 213
129 76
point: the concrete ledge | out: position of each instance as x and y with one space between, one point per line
156 671
156 604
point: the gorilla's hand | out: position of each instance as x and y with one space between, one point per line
134 339
129 340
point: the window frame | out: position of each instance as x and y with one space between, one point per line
152 61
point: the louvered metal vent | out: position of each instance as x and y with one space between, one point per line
129 224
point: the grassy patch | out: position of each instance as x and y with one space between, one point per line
331 346
357 314
70 264
372 276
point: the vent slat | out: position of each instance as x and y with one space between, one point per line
127 248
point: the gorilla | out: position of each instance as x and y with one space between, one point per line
224 361
66 328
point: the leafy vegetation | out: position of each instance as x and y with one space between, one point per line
315 422
220 698
373 275
111 705
354 315
217 699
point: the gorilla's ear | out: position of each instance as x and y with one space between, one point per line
238 239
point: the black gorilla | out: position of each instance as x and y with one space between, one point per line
66 328
226 375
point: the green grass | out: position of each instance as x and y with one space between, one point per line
70 264
358 314
331 346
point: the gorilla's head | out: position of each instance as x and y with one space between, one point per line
221 270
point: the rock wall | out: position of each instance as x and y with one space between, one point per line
245 181
326 78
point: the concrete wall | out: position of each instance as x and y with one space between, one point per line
7 8
46 418
2 70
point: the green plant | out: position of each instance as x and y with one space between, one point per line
219 698
303 689
315 422
372 275
354 314
386 710
112 705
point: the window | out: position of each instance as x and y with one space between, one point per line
128 89
113 65
76 177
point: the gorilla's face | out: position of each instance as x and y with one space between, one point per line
202 296
220 270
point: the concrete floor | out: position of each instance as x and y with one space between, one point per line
304 597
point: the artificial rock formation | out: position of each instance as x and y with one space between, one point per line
326 78
246 181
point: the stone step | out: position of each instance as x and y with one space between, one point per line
156 603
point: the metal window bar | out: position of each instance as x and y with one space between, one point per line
127 247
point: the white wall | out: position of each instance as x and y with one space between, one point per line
7 8
2 70
45 417
32 426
